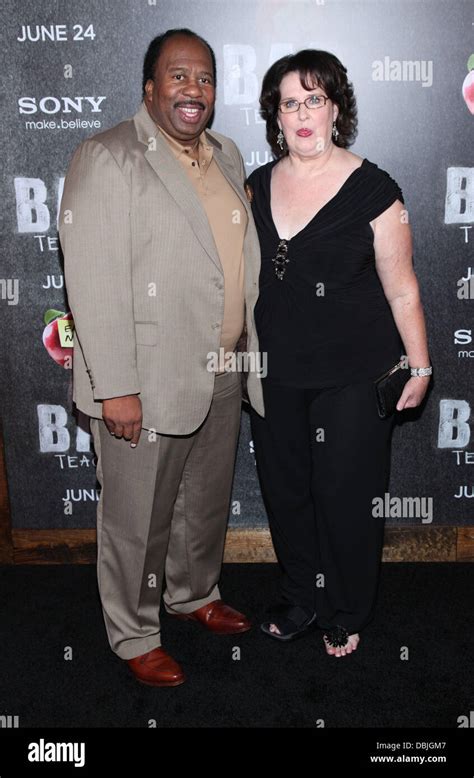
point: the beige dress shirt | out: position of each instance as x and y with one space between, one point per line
228 221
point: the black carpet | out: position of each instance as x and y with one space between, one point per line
426 608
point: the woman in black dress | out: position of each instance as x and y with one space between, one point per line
339 305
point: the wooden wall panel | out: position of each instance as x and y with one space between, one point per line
402 544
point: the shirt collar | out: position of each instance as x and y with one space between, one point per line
179 150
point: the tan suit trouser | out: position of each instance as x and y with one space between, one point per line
162 513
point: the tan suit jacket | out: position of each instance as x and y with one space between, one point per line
144 281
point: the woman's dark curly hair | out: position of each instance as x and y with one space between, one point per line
316 68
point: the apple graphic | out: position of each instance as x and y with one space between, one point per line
468 85
58 336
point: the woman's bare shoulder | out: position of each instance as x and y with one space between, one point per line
349 161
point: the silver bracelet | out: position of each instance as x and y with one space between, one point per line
421 371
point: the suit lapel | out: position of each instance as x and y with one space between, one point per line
170 172
229 172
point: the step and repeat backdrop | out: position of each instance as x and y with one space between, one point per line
72 69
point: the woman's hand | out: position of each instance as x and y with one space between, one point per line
413 393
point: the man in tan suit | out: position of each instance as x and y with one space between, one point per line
161 268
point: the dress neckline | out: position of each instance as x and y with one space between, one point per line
365 162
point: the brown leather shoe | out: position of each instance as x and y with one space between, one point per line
217 617
156 668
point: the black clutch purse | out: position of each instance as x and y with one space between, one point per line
388 388
241 347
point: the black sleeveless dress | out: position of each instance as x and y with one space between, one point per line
327 322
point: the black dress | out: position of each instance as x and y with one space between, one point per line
322 451
327 321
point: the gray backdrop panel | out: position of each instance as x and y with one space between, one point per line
416 129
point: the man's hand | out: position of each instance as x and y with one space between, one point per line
123 417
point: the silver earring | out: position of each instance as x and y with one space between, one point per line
335 131
281 139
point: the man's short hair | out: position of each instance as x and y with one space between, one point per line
155 47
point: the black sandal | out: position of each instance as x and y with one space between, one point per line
292 621
336 637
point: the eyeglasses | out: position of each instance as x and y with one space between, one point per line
311 102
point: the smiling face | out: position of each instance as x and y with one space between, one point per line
181 96
307 131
